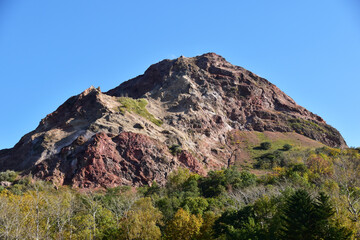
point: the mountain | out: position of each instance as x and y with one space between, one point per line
202 113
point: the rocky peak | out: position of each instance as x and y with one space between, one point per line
88 104
183 112
157 75
200 87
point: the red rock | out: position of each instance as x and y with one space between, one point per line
124 159
190 162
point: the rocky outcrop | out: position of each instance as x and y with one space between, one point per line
110 160
208 90
124 136
5 184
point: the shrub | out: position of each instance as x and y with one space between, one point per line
214 184
9 176
26 181
265 145
177 179
271 160
287 147
175 149
238 179
320 164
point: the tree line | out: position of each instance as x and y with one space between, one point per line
315 195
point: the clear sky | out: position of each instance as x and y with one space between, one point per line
51 50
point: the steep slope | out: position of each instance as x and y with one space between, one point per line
209 90
180 112
81 144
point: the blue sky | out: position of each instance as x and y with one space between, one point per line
51 50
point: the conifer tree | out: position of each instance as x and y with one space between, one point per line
298 217
307 218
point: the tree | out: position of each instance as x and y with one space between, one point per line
142 222
320 164
92 204
298 216
12 219
176 179
325 226
217 182
307 218
195 205
168 206
265 145
214 184
287 147
120 204
206 230
184 226
347 174
242 224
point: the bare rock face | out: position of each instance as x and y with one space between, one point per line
124 136
72 119
110 160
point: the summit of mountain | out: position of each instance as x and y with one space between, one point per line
207 87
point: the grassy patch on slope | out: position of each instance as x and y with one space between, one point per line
137 106
249 144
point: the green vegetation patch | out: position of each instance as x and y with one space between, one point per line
259 147
303 126
9 176
137 106
261 137
268 145
175 149
308 128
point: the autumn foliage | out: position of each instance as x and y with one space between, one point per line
313 195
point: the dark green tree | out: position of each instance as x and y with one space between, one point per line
241 225
307 218
214 184
325 227
298 217
287 147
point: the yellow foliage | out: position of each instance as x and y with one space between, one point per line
320 164
279 171
184 226
142 221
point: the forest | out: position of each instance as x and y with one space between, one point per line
307 194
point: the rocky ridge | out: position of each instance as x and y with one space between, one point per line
180 112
